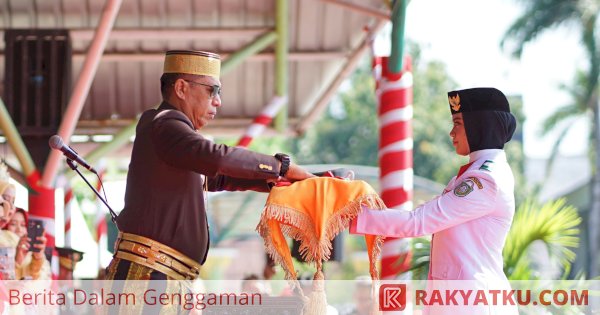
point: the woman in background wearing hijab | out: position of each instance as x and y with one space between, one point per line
29 264
8 240
472 217
7 207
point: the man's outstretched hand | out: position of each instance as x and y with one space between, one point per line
296 173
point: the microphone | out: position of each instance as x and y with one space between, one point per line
56 143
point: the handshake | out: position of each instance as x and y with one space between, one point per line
340 173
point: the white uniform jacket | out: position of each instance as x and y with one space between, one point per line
469 221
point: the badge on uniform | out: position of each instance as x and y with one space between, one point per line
265 167
488 165
454 102
466 186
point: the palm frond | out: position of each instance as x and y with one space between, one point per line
419 265
579 106
561 114
553 223
537 17
583 86
522 270
555 148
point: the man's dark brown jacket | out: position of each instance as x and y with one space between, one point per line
164 198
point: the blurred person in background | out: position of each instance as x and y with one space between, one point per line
253 284
362 297
67 261
8 239
30 262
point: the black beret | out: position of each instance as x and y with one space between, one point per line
477 99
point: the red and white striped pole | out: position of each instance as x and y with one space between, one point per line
69 201
394 95
41 207
262 120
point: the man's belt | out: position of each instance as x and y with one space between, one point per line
157 256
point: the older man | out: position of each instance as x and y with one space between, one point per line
164 229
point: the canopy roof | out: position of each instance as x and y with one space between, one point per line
321 35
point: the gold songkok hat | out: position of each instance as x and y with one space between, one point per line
193 62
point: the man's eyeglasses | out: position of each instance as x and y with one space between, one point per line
215 89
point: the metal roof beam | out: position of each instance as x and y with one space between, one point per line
344 72
260 57
361 9
265 56
398 26
281 61
236 58
16 142
161 34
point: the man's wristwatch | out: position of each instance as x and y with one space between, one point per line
285 163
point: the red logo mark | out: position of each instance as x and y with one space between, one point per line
392 297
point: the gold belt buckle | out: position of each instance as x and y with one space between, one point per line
154 254
149 253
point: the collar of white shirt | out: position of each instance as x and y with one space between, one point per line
488 154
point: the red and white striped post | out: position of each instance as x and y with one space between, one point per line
41 207
394 95
262 120
69 201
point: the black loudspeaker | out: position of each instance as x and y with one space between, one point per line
336 253
37 82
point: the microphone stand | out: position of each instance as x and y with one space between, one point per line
72 164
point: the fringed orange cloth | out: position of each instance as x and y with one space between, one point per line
314 211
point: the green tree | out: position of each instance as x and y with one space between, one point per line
566 116
350 134
539 16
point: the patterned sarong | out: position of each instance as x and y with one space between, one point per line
140 280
